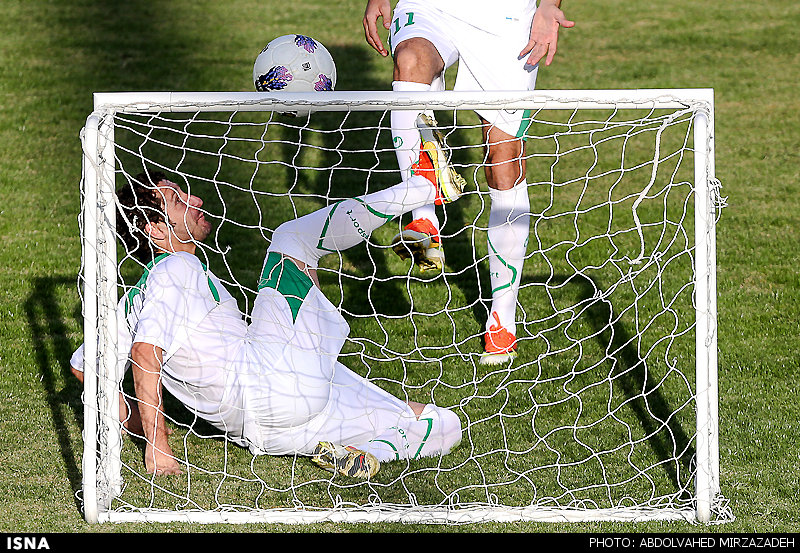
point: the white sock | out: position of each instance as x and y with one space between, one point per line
406 139
435 432
509 224
349 222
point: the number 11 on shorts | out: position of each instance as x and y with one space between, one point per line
409 21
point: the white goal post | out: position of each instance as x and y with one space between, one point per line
610 412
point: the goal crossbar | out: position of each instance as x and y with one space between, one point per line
143 102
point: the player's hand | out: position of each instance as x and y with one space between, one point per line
544 34
377 9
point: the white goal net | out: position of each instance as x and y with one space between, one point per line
609 412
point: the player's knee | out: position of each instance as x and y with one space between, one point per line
505 166
417 60
288 237
504 148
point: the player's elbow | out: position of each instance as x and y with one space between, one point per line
77 373
145 355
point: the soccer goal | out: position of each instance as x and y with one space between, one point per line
609 412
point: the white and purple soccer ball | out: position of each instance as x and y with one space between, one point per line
294 63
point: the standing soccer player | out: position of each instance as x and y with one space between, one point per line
498 46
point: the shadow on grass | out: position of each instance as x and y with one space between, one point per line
49 326
641 391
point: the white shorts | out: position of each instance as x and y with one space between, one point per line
305 395
298 394
486 61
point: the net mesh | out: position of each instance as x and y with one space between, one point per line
597 413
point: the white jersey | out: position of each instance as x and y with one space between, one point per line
185 310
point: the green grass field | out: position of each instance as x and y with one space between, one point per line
56 54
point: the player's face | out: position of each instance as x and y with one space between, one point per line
186 219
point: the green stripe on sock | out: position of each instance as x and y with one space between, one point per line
510 267
390 444
427 435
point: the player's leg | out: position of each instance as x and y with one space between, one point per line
374 421
296 334
421 53
491 62
435 431
507 237
416 64
419 240
304 241
289 270
350 222
423 230
358 425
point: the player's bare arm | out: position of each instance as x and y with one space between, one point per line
128 414
146 363
377 9
543 42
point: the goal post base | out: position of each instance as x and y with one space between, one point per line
409 515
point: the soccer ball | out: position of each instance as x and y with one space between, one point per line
294 63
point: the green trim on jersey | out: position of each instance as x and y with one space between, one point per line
214 291
141 284
283 275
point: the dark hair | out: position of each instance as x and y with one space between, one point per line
139 204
